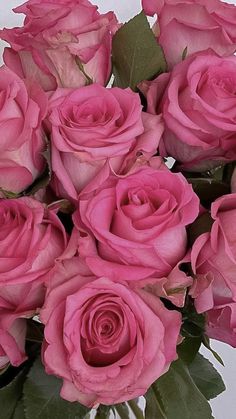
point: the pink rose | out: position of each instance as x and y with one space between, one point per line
153 91
214 266
94 131
134 227
199 110
32 238
195 25
107 342
22 108
221 323
17 303
62 43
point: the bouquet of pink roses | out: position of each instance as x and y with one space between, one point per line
116 262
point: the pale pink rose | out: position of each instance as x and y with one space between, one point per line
62 43
17 303
199 111
32 239
107 342
195 25
214 266
22 109
95 131
134 227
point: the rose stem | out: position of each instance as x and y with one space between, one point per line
122 411
135 409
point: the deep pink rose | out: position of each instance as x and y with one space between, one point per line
32 238
17 303
96 131
134 227
195 25
214 266
62 43
107 342
22 109
199 110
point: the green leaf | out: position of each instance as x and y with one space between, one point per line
136 53
122 410
42 399
10 394
193 323
154 404
19 412
137 411
206 378
188 349
206 343
180 396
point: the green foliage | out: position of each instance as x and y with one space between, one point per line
154 404
10 394
178 396
193 323
189 348
136 53
206 378
122 410
19 412
206 343
42 397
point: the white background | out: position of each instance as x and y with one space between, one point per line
224 407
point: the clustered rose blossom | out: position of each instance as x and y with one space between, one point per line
199 112
143 231
102 250
42 238
22 109
63 43
115 342
214 265
17 303
96 131
189 26
32 239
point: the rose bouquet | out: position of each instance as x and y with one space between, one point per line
118 209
